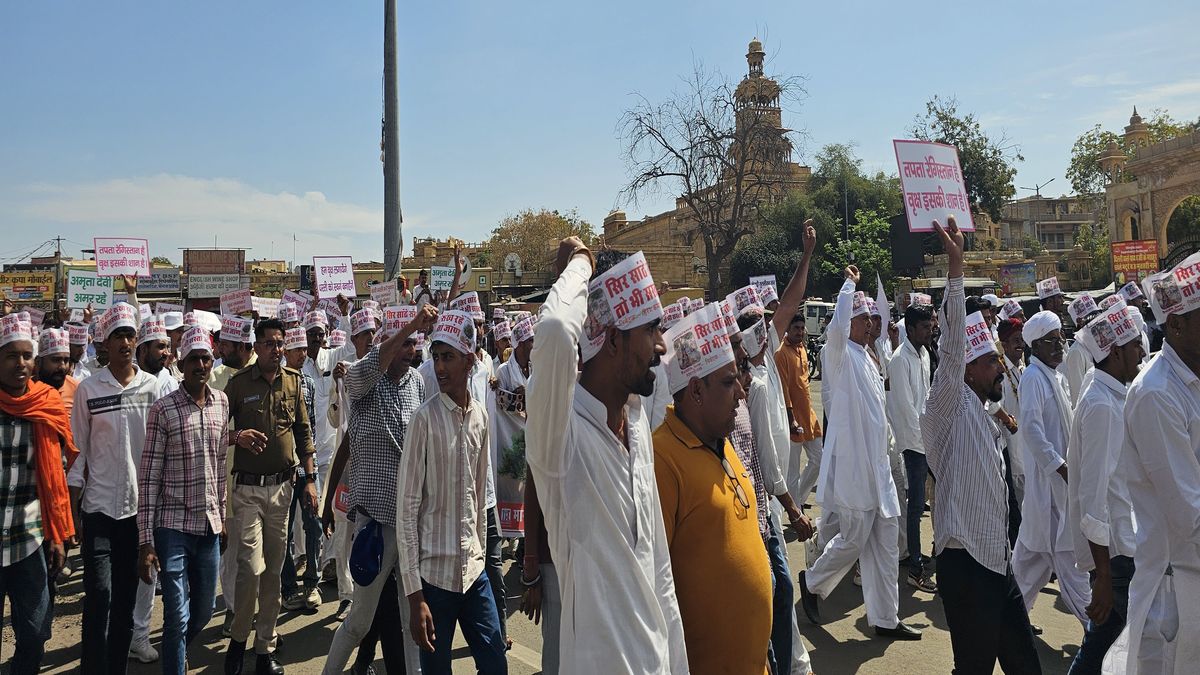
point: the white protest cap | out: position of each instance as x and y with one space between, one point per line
456 329
924 300
1111 301
195 338
522 331
743 300
54 341
190 320
362 320
992 299
697 346
288 312
120 315
1040 325
979 337
623 297
396 318
1113 328
172 320
77 333
314 319
15 329
1048 288
295 338
337 338
1131 291
207 320
672 314
1174 292
1011 309
768 294
237 329
370 304
497 312
1081 307
858 306
873 307
754 338
727 315
501 330
469 303
151 331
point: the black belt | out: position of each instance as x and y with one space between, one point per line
263 480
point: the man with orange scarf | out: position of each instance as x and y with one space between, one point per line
35 434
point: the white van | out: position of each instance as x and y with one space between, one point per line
814 313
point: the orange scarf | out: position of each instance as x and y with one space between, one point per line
42 405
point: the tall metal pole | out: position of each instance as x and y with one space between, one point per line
392 238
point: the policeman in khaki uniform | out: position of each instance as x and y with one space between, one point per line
273 439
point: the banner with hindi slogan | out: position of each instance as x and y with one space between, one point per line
116 257
385 292
932 181
440 278
298 298
333 276
237 302
1134 260
35 286
88 288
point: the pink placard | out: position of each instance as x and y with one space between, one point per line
117 257
932 181
334 276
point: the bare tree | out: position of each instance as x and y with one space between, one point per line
721 148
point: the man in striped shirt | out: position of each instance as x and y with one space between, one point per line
441 516
984 608
181 499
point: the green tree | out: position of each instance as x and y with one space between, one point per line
160 260
533 235
1185 220
1095 241
839 186
867 248
777 244
1084 172
1034 245
987 163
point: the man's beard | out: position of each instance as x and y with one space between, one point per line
55 380
996 393
153 366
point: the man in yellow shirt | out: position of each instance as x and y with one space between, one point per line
709 507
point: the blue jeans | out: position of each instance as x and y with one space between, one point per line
188 565
475 611
1099 637
917 469
110 582
779 652
24 584
313 536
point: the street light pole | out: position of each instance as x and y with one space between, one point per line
392 218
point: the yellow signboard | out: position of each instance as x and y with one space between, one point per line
37 286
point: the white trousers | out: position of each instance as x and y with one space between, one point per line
339 550
1032 570
142 608
869 538
900 478
801 477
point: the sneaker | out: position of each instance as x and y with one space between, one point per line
922 582
343 610
227 625
329 571
362 670
296 601
143 652
857 575
301 564
312 598
811 551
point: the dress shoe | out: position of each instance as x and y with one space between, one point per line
268 664
233 657
809 601
900 632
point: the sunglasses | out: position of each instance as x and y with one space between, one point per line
737 485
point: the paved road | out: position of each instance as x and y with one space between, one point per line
844 645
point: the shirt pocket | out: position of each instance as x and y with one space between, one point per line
285 414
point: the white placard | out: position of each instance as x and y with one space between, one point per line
215 285
161 308
765 280
384 293
122 257
300 299
236 302
333 276
36 316
267 308
933 185
395 318
84 288
145 312
76 316
440 278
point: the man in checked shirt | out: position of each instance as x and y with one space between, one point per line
181 498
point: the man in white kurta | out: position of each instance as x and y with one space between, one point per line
1077 363
1044 543
1161 462
600 501
856 479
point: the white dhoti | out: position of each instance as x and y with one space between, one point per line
1032 571
801 476
870 538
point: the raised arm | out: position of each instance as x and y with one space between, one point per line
945 391
793 293
550 392
839 326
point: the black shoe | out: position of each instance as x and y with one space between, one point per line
1037 630
900 632
268 664
234 657
809 601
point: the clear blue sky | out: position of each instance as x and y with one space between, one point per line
249 122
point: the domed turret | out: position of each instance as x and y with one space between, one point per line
1137 134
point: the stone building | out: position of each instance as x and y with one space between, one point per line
671 240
